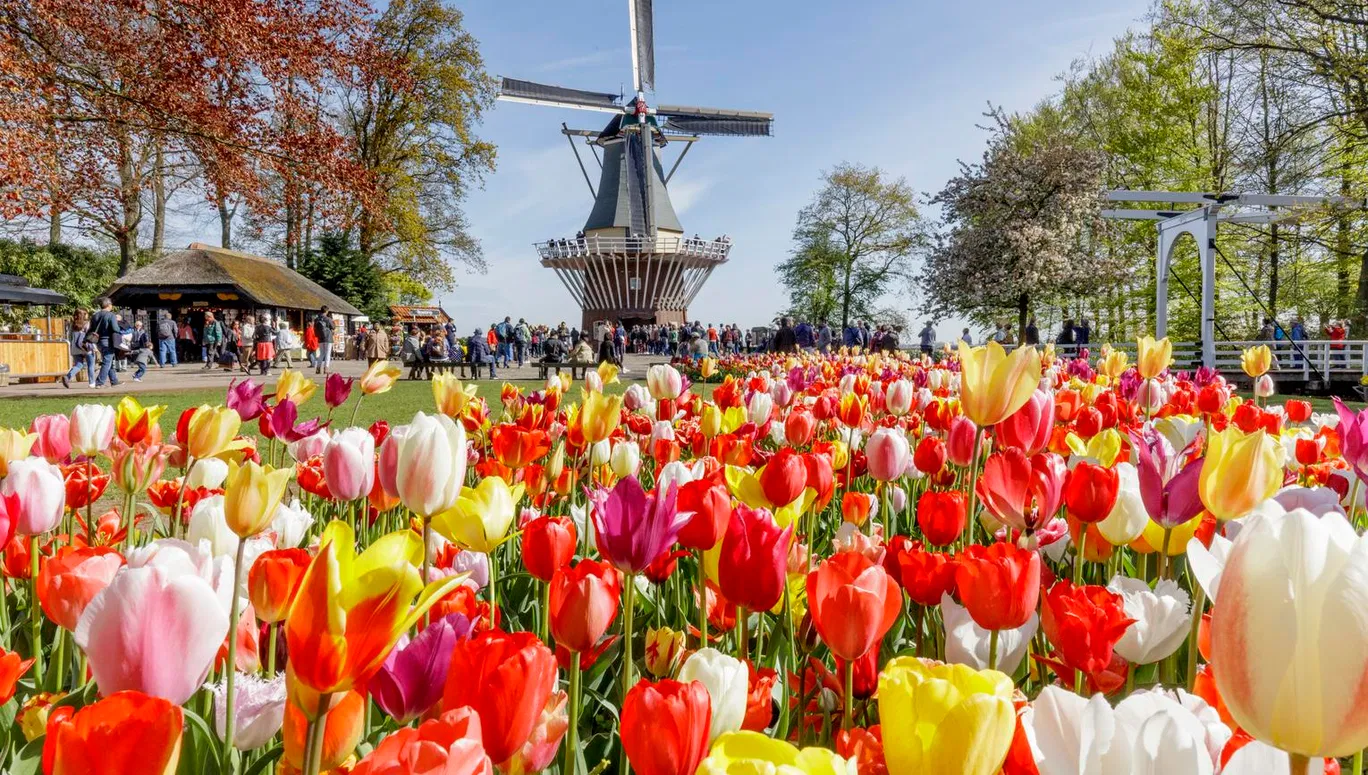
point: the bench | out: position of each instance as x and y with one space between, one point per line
577 370
429 369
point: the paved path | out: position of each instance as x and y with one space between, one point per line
194 376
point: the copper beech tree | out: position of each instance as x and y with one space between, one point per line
95 95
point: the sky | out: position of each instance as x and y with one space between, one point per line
898 85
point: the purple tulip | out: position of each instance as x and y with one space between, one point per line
633 528
337 389
245 398
1353 435
1168 483
283 416
414 674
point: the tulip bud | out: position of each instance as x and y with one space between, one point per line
251 495
799 427
555 464
959 445
664 651
759 408
898 397
710 423
1263 386
625 459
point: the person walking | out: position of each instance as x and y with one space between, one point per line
105 328
166 340
1032 332
83 348
285 342
185 341
263 345
323 329
213 338
377 345
139 350
785 339
926 338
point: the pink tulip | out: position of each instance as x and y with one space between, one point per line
959 440
34 495
90 429
337 389
1022 492
431 463
309 447
387 463
898 397
155 629
349 464
1029 427
54 440
888 454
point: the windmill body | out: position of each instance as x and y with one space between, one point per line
632 261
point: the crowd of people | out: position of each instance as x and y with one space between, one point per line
821 337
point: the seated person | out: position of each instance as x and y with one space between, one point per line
553 351
228 360
412 349
582 352
435 350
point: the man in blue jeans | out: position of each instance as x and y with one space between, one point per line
166 340
105 326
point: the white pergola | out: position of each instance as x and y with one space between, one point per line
1201 222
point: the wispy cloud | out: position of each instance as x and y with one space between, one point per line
605 56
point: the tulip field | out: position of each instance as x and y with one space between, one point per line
820 563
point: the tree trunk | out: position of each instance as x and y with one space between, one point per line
128 252
1343 254
158 202
1023 309
131 194
1273 258
225 222
845 293
54 225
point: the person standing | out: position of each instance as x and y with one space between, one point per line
1032 332
1066 339
966 337
166 340
926 338
1082 333
285 342
83 348
105 328
213 339
522 337
323 329
185 341
263 345
377 345
785 339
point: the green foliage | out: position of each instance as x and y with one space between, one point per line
337 265
79 273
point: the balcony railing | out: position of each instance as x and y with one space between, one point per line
693 247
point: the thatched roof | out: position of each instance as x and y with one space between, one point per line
211 272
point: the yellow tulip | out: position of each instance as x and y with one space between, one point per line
1113 362
1241 471
840 454
1152 540
608 372
14 445
251 494
1256 361
482 515
744 753
707 367
379 378
664 651
1152 357
294 387
710 422
993 384
450 395
1103 448
599 415
133 422
211 431
944 718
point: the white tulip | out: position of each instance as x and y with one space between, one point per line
727 682
1207 565
759 408
209 473
1256 758
966 643
600 452
209 523
1317 500
309 446
259 705
431 464
290 523
625 459
90 429
1128 517
1161 619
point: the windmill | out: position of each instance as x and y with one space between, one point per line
631 262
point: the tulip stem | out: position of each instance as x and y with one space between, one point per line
544 621
173 528
1078 561
1357 766
59 660
1198 603
848 716
973 491
992 649
35 613
359 398
702 601
313 741
427 543
230 667
572 731
271 630
90 498
1298 764
1164 564
628 610
742 637
492 563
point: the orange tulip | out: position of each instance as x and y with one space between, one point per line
71 579
125 732
12 668
853 602
515 447
133 422
273 581
343 727
448 744
350 610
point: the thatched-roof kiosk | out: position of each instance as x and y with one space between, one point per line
208 277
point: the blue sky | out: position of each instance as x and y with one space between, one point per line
899 85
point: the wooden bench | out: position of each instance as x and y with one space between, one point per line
577 370
428 369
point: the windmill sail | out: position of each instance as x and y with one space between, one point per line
516 90
715 121
642 19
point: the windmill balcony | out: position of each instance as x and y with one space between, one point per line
714 250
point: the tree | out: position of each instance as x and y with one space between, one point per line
80 274
852 243
411 124
1020 223
337 265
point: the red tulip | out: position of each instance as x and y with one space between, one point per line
942 516
665 727
959 440
855 506
1297 410
1090 491
930 455
926 576
1029 427
864 748
583 603
1089 422
507 679
820 478
854 602
799 427
72 578
1084 623
125 732
754 559
273 581
759 698
710 503
548 544
1020 491
998 584
783 477
12 668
